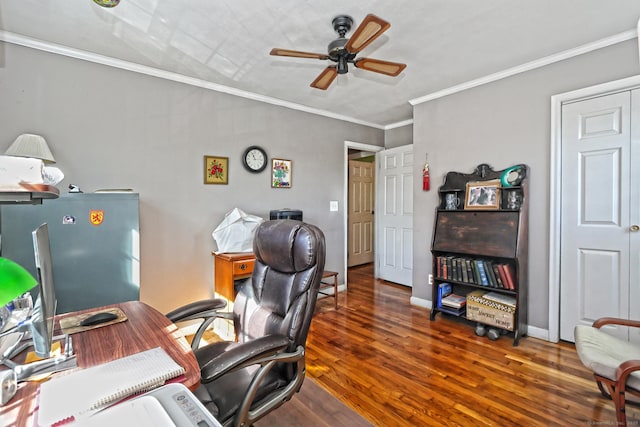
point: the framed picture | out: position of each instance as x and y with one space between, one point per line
216 170
280 173
483 195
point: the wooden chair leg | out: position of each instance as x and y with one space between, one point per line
614 392
328 274
619 402
335 291
605 392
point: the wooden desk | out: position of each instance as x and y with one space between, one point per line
229 267
145 328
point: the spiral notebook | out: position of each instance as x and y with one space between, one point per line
80 393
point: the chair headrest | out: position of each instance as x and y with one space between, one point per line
286 245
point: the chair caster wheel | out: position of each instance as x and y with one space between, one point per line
480 330
493 334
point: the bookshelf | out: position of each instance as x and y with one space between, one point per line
480 243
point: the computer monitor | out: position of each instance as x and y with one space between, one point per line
41 317
40 321
44 308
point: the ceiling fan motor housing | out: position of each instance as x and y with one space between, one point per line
339 54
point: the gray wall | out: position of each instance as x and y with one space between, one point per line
399 136
110 128
502 124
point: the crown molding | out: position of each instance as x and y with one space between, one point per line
54 48
83 55
398 124
538 63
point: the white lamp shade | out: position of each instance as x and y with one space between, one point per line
29 145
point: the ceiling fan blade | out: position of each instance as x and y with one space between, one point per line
369 30
298 54
379 66
326 77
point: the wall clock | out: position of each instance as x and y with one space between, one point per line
254 159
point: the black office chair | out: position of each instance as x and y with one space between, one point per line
242 381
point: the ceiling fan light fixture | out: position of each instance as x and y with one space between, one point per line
342 67
107 3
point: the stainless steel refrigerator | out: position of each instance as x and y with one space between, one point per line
95 245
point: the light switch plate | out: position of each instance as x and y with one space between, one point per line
333 206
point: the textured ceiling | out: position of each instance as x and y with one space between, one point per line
227 42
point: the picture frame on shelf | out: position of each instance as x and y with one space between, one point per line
216 170
483 195
281 173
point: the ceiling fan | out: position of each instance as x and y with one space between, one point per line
343 51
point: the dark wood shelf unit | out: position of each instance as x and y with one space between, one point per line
499 236
27 193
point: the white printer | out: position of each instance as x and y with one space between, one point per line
170 405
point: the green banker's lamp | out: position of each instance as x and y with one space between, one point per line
14 281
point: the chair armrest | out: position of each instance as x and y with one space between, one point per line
204 310
237 355
624 370
197 310
615 321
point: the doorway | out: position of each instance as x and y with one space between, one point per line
356 151
360 209
594 245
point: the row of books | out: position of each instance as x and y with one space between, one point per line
476 271
449 302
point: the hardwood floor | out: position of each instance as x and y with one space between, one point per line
386 360
313 407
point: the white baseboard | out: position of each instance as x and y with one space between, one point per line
420 302
542 334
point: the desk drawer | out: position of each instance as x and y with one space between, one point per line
243 268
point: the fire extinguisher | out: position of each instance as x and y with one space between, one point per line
425 177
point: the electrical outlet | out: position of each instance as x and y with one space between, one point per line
431 279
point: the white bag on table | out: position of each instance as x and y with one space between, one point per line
235 232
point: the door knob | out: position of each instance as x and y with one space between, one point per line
634 228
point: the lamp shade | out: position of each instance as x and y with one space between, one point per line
14 281
29 145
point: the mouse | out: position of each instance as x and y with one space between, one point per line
96 319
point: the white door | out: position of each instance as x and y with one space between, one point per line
634 216
394 215
360 216
595 224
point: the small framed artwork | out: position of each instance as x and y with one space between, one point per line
280 173
216 170
483 195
